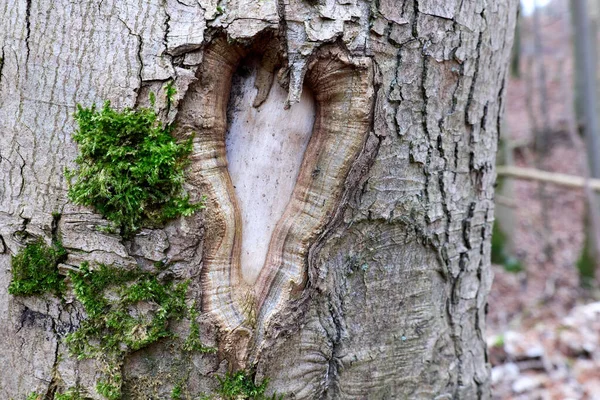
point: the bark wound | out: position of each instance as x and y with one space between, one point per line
342 87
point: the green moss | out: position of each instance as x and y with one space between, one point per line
130 169
110 387
240 385
586 264
35 269
193 342
176 393
169 93
34 396
70 394
116 324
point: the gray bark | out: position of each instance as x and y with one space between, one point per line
584 41
585 34
395 302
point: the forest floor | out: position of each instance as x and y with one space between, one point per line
543 329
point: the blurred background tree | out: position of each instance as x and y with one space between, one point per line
544 322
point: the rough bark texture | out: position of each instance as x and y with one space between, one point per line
394 301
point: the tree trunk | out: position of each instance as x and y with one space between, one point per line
365 270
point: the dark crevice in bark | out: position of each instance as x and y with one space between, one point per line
22 186
456 157
393 83
425 99
500 111
474 80
139 57
440 143
483 232
332 378
424 123
2 55
55 380
2 245
167 24
54 227
484 116
404 8
467 226
415 31
445 207
480 170
27 28
480 334
452 314
453 336
138 51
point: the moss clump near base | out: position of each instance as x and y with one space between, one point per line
126 311
35 269
130 169
70 394
240 385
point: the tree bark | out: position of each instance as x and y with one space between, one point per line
387 293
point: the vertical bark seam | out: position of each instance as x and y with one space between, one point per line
27 28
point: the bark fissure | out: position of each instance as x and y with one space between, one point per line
55 377
139 51
167 25
21 169
473 80
2 55
332 376
27 28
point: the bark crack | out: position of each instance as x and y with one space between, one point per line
2 55
474 81
21 172
415 21
54 227
167 25
27 28
467 226
332 374
53 385
500 108
139 49
283 28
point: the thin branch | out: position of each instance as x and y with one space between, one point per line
533 174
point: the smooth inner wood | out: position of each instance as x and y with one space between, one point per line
265 147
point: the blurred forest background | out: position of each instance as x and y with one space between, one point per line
544 308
